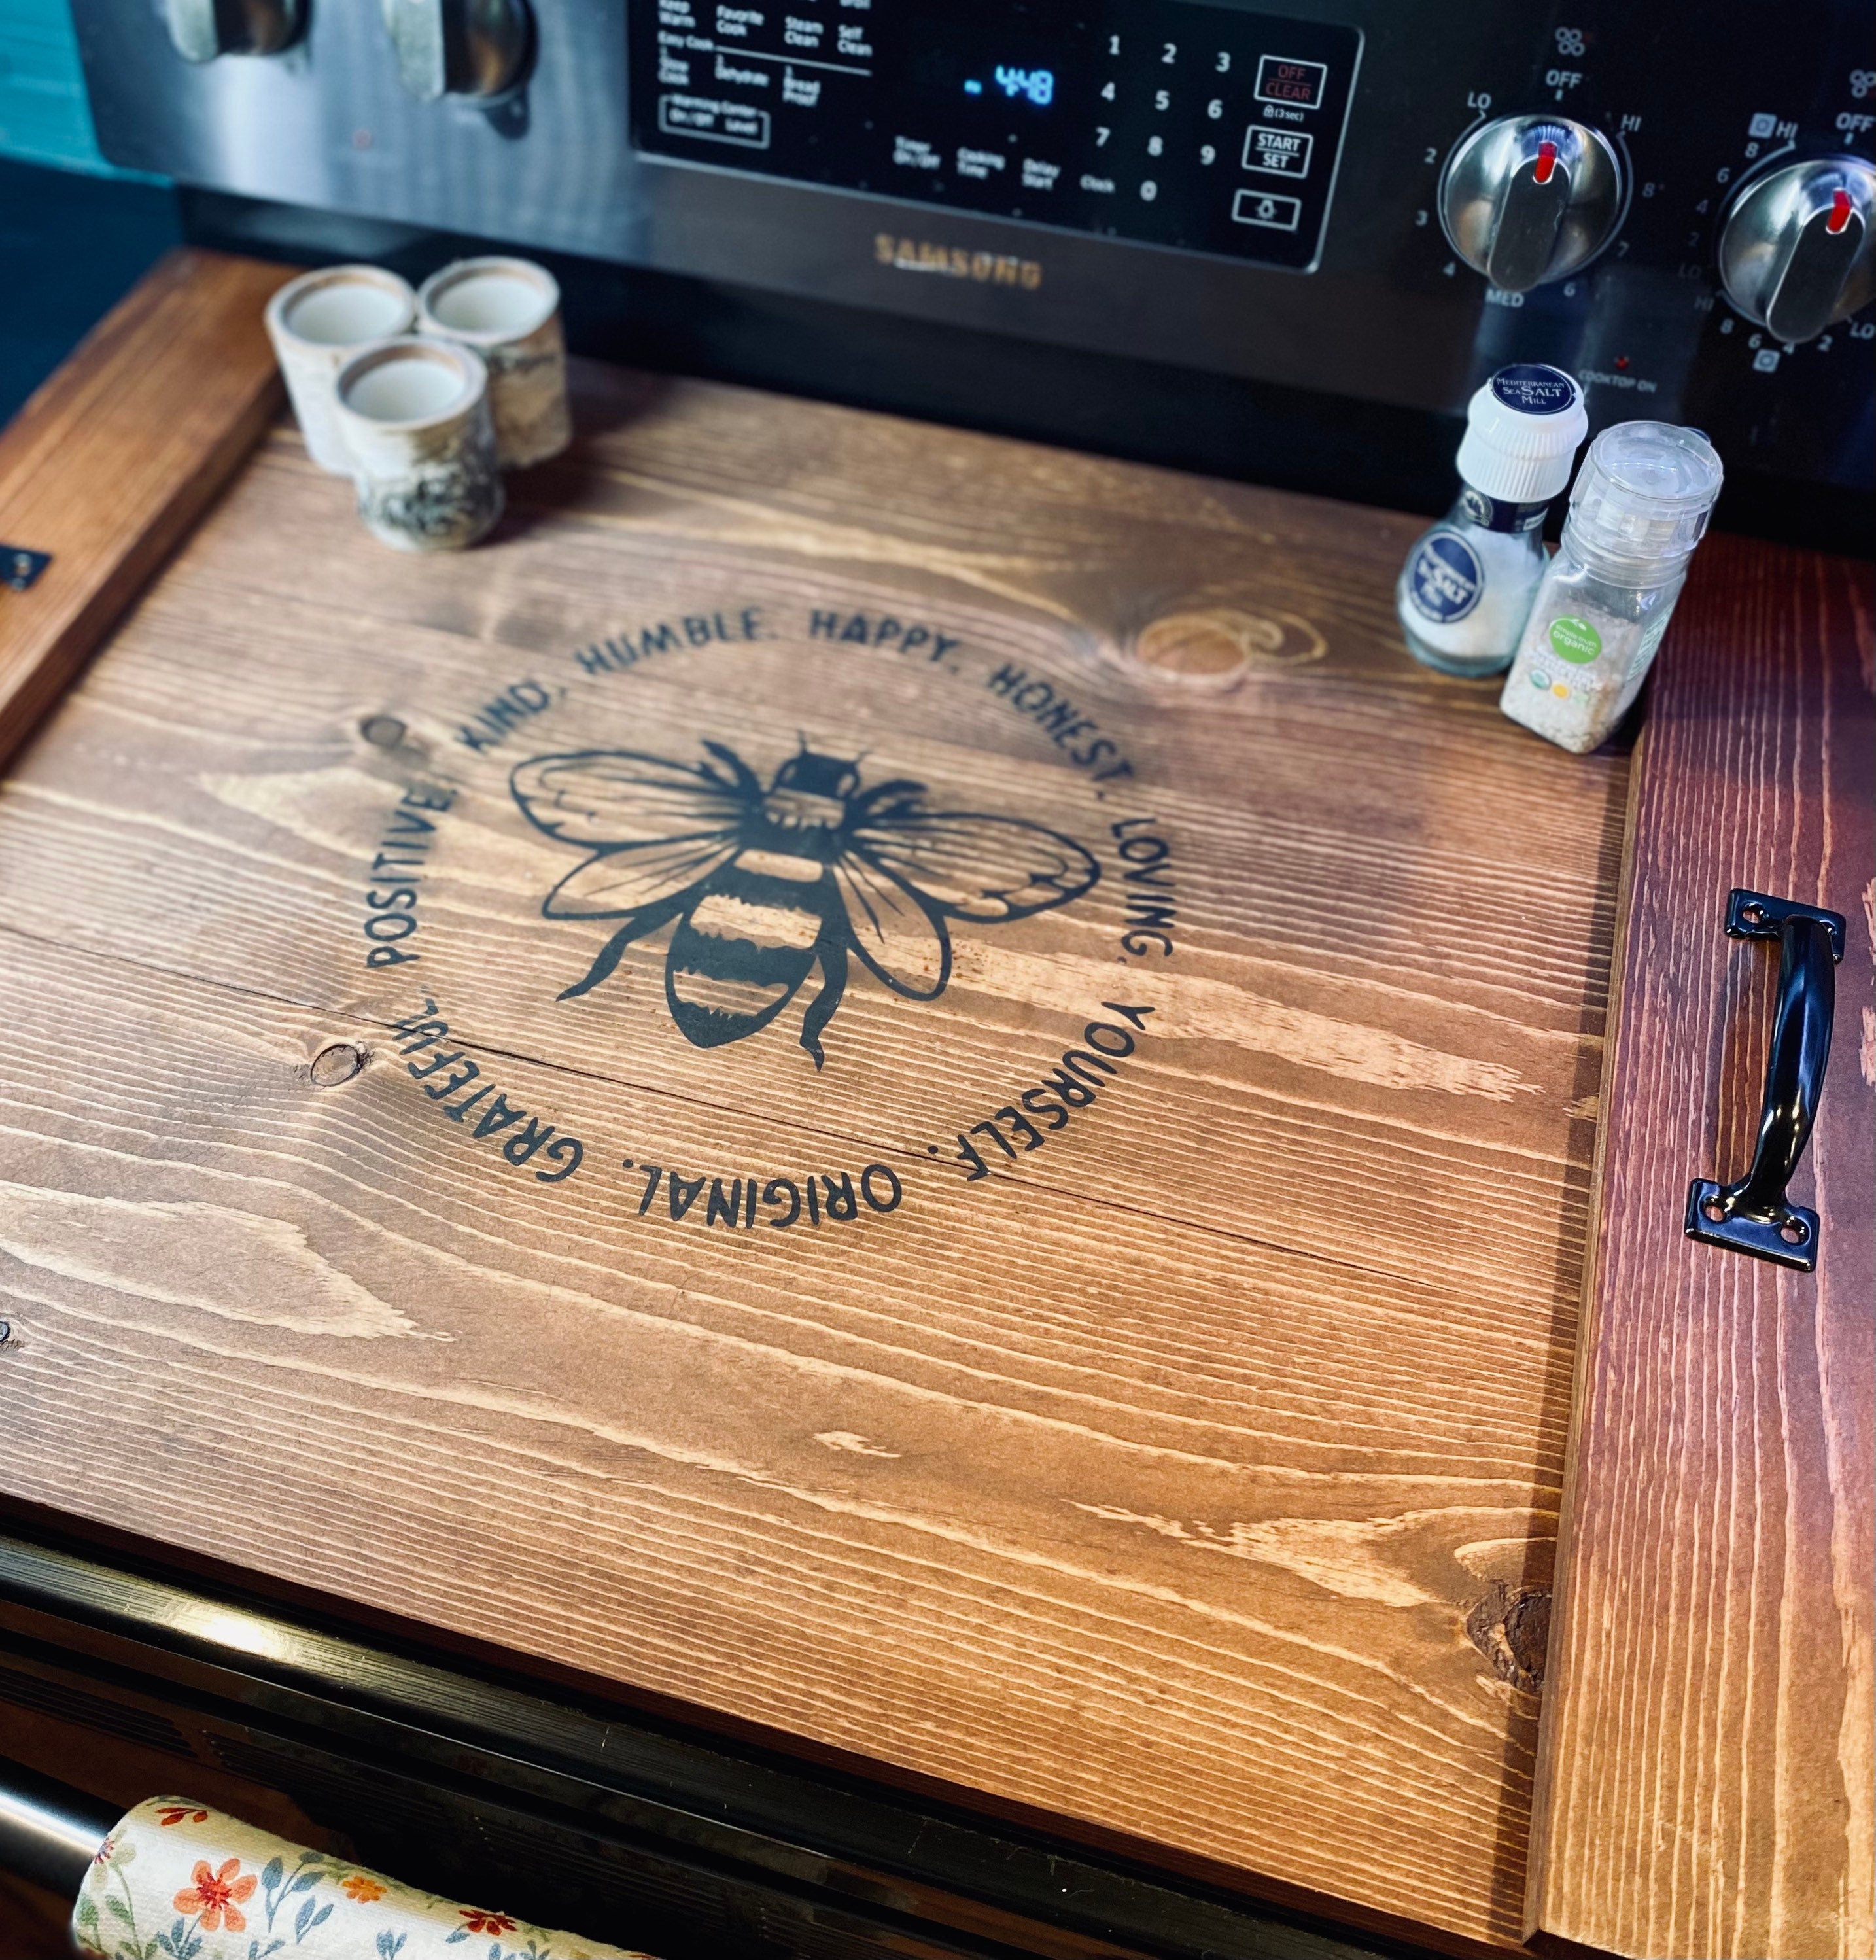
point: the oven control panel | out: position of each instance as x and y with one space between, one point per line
1175 123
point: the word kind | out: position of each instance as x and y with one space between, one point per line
445 1073
391 898
1074 1085
731 1202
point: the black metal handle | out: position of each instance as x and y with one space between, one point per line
48 1832
1754 1215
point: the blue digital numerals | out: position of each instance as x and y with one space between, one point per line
1037 84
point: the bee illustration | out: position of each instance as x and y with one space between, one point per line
767 883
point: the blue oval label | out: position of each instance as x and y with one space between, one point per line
1444 578
1534 389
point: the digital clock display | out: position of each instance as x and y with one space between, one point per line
1181 123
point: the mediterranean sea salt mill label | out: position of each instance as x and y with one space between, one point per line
1467 584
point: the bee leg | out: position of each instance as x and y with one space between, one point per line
647 918
821 1008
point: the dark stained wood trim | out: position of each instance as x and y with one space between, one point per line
1705 1773
112 461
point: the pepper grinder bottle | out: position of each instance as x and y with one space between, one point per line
1468 583
1640 506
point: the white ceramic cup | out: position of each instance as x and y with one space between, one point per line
508 310
316 323
414 414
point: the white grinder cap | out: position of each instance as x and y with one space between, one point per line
1522 431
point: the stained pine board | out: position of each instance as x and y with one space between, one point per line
1708 1753
1187 1481
114 457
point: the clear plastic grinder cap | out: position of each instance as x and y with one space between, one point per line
1522 429
1645 491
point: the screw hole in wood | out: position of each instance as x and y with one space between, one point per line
382 731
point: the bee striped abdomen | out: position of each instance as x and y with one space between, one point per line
739 956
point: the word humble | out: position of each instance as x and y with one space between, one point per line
1074 1085
731 1202
445 1073
391 898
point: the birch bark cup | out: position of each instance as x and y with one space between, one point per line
415 419
317 323
508 311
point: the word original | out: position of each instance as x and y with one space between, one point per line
1150 915
391 898
1074 1085
1062 721
614 655
863 629
952 262
445 1073
731 1202
499 718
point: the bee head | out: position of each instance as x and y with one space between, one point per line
818 775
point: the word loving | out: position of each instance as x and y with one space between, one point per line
445 1073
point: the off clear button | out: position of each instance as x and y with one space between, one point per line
1258 207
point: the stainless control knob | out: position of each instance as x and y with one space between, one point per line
1796 251
1530 198
203 29
459 47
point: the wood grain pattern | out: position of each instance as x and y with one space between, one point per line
1189 1482
115 457
1707 1762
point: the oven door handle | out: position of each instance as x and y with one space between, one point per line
1754 1215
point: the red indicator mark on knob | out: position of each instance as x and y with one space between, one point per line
1839 213
1546 162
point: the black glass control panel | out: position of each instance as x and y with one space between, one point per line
1175 123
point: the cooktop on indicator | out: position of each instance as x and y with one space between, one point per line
1176 122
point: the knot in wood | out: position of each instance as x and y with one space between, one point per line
338 1062
1510 1627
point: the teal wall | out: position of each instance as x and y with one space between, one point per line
44 117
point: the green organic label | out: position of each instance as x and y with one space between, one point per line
1575 640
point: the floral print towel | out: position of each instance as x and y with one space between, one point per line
176 1881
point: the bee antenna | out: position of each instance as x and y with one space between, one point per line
802 739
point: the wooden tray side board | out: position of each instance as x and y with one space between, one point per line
1706 1780
115 457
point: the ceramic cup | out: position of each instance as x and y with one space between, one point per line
508 310
316 323
414 414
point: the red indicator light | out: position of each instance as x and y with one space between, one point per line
1839 213
1546 162
1621 361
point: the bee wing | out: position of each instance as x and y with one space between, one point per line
979 867
658 825
613 798
636 875
899 935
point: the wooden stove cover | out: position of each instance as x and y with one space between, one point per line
1128 1382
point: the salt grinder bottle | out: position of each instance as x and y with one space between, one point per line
1467 584
1640 506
